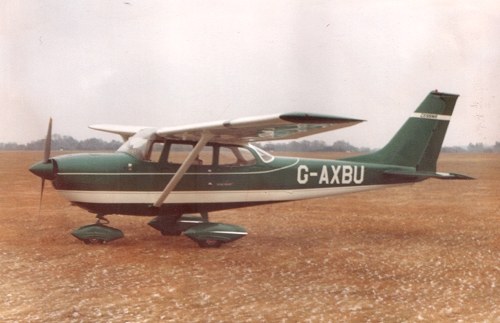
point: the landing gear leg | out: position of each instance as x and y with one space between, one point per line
101 219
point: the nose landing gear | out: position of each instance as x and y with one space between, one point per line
97 233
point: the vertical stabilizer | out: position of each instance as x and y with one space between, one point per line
418 142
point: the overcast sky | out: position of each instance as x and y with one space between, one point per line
171 63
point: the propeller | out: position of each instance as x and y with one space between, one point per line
46 160
48 139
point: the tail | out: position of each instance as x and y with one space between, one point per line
418 143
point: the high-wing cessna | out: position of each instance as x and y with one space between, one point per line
172 172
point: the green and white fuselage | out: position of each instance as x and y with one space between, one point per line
122 184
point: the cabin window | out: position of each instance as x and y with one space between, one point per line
155 153
235 156
179 152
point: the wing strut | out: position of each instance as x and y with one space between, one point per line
205 137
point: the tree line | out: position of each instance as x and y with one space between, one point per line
312 146
69 143
473 148
64 143
344 146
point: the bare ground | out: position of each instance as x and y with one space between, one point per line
428 252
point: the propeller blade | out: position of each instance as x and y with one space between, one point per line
41 195
46 158
48 139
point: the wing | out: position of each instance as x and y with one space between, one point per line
124 131
263 128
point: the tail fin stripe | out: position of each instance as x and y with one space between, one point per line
431 116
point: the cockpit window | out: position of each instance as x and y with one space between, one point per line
141 145
142 149
265 156
137 147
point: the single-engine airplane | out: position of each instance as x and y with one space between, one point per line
172 172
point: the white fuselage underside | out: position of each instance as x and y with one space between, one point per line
207 197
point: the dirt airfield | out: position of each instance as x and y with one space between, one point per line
423 253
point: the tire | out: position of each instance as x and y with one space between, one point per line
94 241
209 243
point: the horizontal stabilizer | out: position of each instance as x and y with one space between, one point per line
424 175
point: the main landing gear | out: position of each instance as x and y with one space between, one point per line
197 228
97 233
